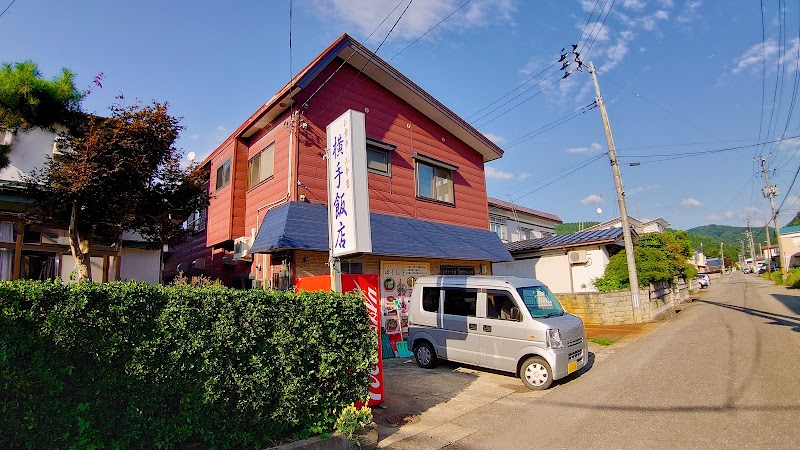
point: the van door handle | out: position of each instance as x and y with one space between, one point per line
487 328
473 326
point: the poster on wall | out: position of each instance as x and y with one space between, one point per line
397 283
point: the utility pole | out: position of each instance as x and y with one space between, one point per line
623 210
770 192
742 256
752 245
722 257
769 250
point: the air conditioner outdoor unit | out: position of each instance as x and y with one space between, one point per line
182 267
577 257
199 264
241 248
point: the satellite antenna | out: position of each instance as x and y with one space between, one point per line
599 212
190 156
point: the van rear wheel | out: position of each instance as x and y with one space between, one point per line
536 374
425 355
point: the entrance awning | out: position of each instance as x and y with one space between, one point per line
304 226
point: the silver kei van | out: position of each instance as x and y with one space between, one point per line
505 323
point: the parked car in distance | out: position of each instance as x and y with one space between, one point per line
763 267
703 280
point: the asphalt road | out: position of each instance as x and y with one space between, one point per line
723 373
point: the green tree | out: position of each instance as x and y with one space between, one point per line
27 100
120 173
659 257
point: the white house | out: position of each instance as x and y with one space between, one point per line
657 225
566 263
517 223
36 251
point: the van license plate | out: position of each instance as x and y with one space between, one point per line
572 367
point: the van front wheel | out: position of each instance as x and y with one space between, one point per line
536 374
425 355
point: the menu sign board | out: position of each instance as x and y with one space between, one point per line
397 284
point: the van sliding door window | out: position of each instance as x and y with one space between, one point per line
430 299
460 302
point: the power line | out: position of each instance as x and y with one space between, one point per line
551 125
763 74
305 105
512 91
548 175
429 30
668 157
518 104
565 175
599 30
7 8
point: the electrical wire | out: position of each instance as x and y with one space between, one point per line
669 111
565 175
599 30
668 157
429 30
369 60
529 182
305 104
763 76
512 91
7 8
518 104
551 125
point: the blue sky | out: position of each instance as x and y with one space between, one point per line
678 76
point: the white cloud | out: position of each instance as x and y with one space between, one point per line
594 148
666 3
634 4
650 22
366 15
755 55
640 189
495 138
496 174
691 203
689 12
596 199
729 214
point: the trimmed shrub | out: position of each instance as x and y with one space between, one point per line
130 365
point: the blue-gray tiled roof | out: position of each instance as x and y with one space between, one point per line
304 226
580 238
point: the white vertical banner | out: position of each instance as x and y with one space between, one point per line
348 195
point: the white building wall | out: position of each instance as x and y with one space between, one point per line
552 270
29 151
522 268
583 274
141 265
67 269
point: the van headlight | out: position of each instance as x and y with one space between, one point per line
554 338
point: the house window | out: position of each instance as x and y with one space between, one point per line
435 183
498 225
224 174
457 270
378 161
196 221
352 267
261 166
526 233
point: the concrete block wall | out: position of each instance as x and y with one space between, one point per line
615 308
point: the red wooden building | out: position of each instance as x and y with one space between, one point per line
267 223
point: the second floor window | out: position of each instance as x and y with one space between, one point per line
261 166
224 174
498 225
435 183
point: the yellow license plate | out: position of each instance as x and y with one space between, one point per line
572 367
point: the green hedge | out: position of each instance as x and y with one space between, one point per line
130 365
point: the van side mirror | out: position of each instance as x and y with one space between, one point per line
515 313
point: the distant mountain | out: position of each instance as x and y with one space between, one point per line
730 235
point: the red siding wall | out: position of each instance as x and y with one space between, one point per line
220 209
391 120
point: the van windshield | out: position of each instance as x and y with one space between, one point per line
540 302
